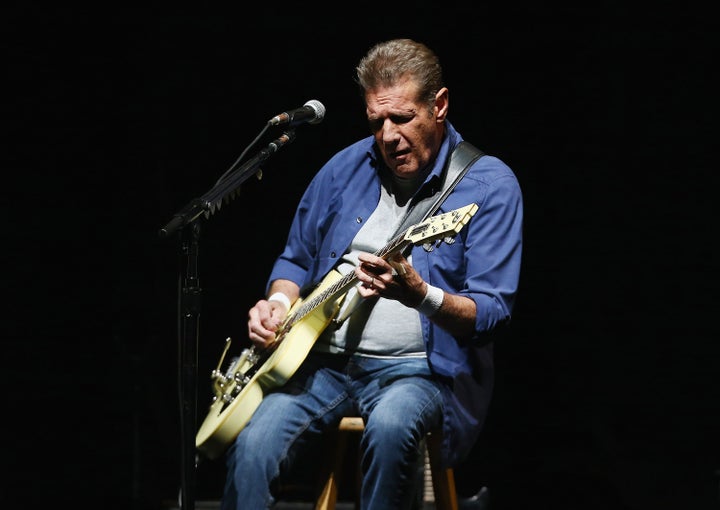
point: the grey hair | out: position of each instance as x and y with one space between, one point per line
388 62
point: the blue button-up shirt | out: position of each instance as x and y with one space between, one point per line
482 264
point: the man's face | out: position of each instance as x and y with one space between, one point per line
407 132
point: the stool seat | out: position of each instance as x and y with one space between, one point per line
442 479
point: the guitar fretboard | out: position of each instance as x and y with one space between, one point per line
342 284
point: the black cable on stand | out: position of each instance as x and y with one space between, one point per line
187 223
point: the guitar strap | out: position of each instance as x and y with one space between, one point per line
461 158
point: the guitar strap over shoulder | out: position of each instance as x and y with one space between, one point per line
462 157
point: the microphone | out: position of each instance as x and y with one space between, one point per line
311 112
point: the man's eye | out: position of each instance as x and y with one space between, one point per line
375 125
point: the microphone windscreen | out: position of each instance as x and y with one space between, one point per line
319 110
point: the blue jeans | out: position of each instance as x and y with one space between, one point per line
398 398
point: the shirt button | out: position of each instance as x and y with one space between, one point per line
358 220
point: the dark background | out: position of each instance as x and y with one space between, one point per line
607 389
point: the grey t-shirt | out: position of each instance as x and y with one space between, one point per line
377 326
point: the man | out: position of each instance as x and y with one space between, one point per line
410 349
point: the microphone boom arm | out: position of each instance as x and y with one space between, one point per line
225 189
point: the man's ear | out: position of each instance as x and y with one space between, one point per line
442 101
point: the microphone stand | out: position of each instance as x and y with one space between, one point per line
186 221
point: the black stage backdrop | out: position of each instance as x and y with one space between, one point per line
607 390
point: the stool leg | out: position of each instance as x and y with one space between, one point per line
328 495
443 479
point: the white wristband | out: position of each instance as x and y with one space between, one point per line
282 298
432 301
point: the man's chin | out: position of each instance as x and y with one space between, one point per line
405 171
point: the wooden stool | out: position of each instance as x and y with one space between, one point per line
442 480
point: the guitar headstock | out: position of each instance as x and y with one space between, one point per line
442 226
